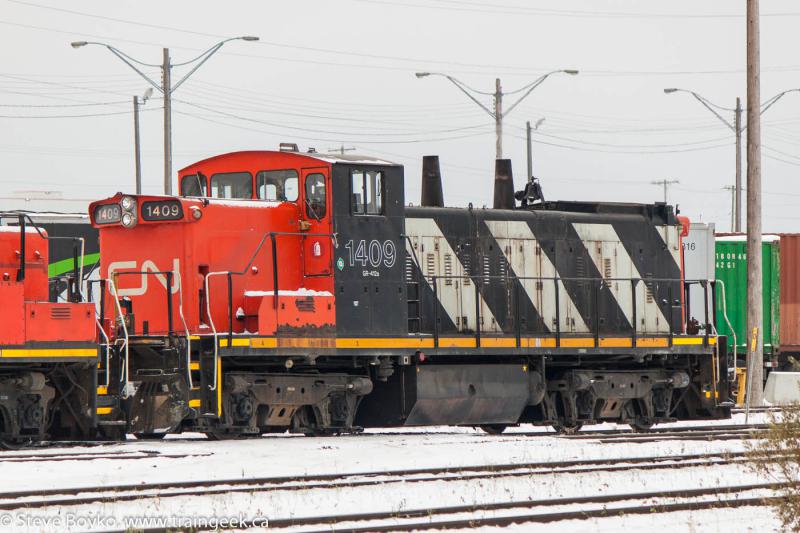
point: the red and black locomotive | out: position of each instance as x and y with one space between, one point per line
287 290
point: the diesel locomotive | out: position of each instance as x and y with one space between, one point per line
48 349
297 291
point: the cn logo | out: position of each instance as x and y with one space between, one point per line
147 269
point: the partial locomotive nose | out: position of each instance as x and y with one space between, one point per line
503 185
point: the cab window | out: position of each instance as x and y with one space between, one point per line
315 196
367 192
193 185
232 185
277 185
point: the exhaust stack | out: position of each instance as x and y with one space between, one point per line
503 185
432 195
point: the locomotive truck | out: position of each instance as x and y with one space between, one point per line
297 291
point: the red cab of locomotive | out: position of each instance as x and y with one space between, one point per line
260 226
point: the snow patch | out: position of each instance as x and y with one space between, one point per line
15 229
263 204
298 292
743 238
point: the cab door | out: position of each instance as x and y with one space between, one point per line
315 221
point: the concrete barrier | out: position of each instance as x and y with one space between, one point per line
782 388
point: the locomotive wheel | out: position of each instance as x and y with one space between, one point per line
14 444
149 436
641 426
493 429
112 433
217 435
568 428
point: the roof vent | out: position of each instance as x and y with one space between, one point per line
312 150
288 147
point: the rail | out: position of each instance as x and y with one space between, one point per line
273 235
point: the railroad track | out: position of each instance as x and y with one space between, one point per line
43 498
436 517
116 456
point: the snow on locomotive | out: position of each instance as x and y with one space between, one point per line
288 290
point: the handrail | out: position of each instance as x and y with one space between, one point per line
272 236
126 389
99 318
730 327
557 280
188 336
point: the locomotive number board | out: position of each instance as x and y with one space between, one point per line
107 214
162 210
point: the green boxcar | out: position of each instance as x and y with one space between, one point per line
731 268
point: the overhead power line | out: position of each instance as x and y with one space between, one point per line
483 7
498 69
88 104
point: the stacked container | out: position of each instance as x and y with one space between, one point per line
731 269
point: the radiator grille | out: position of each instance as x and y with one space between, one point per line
60 313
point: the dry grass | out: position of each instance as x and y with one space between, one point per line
777 457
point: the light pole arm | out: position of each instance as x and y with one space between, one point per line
463 90
534 85
205 57
125 58
772 101
716 114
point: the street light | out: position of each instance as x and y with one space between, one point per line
165 87
498 114
737 128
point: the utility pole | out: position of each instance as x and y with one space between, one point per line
732 189
755 333
166 88
498 114
137 150
341 150
665 183
529 147
737 126
529 131
498 118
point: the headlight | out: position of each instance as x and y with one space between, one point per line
128 220
128 203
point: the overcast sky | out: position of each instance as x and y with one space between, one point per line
330 73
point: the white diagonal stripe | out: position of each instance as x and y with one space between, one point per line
519 245
608 253
457 297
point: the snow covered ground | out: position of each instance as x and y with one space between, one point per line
191 457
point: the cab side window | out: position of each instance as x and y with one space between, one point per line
232 185
193 185
277 185
316 206
367 192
